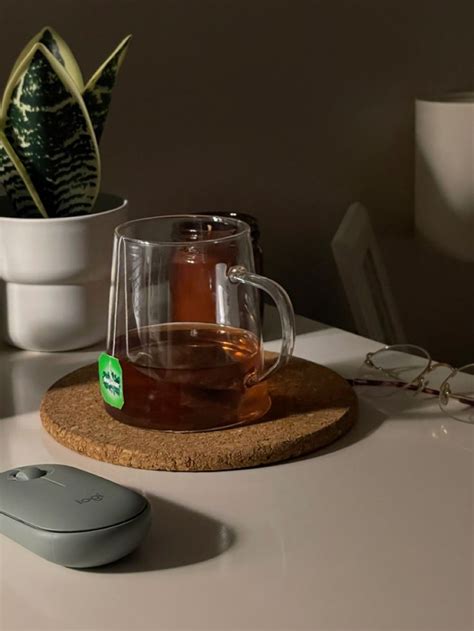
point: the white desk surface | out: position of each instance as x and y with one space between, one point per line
373 533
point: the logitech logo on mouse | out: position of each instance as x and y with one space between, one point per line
97 497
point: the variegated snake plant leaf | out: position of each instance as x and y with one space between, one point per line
50 126
52 135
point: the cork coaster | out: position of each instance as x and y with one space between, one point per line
311 407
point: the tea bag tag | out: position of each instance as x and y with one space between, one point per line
111 380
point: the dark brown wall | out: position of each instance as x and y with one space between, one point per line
289 110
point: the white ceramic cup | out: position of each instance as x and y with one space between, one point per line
55 277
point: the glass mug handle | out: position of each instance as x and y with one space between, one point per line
238 274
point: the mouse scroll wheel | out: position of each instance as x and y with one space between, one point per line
29 473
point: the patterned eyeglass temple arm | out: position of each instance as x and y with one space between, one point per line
411 386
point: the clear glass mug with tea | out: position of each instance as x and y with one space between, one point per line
184 346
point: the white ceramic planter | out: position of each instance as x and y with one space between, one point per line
444 173
55 277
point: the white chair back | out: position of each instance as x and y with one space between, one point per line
365 279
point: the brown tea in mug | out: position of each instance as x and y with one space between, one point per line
190 377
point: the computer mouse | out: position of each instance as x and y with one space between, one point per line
69 516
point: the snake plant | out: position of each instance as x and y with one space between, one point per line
51 123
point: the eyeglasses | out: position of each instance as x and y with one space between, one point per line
411 368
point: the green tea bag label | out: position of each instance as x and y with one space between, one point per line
110 380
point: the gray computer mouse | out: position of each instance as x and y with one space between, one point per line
69 516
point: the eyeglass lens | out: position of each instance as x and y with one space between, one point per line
459 402
401 362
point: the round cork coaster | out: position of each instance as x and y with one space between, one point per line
311 407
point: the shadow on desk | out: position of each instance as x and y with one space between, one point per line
25 376
369 419
178 536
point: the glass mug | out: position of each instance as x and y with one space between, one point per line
184 344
